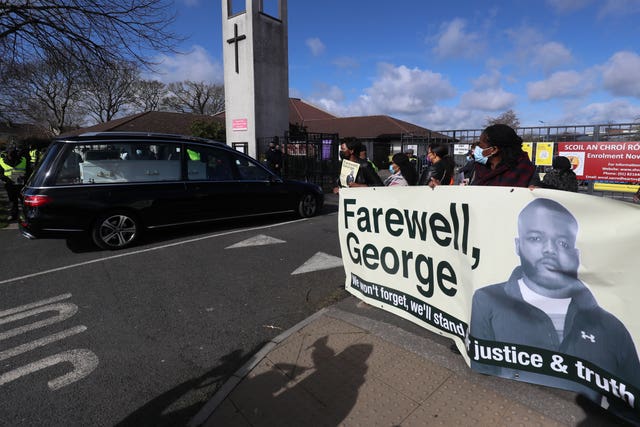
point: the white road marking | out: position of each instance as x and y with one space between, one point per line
6 354
65 310
84 362
320 261
259 240
34 304
141 251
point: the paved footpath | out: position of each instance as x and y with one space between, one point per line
355 365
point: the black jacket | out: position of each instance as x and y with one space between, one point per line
365 175
442 171
592 334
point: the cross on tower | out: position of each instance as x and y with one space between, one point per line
235 39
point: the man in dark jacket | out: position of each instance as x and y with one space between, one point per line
366 176
273 156
544 306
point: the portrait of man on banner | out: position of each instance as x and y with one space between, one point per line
547 313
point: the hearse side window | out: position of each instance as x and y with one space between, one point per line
248 170
208 164
107 163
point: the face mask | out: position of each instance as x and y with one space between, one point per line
391 169
469 158
139 152
343 155
477 154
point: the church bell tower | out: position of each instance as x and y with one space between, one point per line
256 71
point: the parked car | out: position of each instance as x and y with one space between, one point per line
115 185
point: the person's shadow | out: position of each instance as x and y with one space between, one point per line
177 406
331 388
324 397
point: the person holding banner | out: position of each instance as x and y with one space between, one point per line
500 160
403 173
561 177
545 310
355 172
440 172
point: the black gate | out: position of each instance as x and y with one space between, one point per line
311 157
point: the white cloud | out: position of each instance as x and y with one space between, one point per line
315 45
448 118
550 56
562 84
404 90
453 41
197 65
493 99
345 62
620 74
530 47
565 6
331 99
524 38
490 80
616 111
619 8
334 93
397 91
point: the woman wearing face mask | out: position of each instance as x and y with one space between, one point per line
500 160
442 166
402 171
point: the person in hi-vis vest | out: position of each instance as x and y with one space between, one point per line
14 171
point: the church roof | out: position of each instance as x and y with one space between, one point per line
302 113
150 121
361 127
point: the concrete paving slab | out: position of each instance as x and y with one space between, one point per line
268 397
351 365
414 377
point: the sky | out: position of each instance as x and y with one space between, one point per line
443 65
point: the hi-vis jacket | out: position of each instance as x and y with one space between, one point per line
14 173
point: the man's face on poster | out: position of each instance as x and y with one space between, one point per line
546 246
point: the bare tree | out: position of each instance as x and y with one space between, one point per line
109 89
148 94
45 92
92 31
195 97
507 118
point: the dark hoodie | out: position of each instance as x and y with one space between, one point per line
561 177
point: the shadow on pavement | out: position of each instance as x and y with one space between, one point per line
178 405
288 394
596 415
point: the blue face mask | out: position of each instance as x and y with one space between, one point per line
391 169
477 155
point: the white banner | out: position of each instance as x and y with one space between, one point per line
549 276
